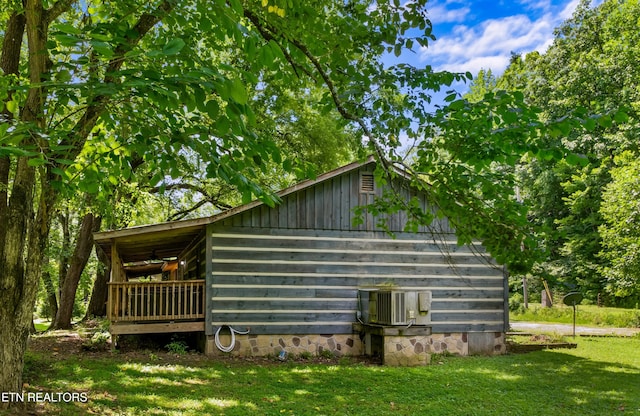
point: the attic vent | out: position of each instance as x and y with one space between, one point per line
366 182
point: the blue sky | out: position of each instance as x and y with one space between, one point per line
481 34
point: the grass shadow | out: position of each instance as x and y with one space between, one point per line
589 380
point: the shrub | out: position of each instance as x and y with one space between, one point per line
515 303
326 354
177 346
99 341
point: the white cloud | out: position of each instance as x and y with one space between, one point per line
489 44
567 12
445 13
543 5
474 65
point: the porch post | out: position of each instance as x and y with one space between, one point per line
117 270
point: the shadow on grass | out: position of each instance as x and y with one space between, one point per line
546 382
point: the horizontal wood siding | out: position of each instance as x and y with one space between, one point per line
297 281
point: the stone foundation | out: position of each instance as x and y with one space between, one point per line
471 343
406 351
399 348
453 343
295 345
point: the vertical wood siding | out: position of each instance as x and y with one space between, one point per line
329 205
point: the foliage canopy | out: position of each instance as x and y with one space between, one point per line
575 198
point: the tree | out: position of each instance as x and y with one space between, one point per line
69 285
484 82
106 82
589 67
621 229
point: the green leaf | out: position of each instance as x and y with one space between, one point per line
575 160
36 161
63 76
154 53
509 117
457 105
397 50
92 187
64 161
68 28
449 98
605 121
213 109
236 6
67 40
238 92
102 48
590 124
99 36
173 47
12 106
621 117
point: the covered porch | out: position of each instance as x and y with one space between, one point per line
157 282
179 303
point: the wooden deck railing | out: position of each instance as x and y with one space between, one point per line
156 301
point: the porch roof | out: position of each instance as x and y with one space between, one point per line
147 242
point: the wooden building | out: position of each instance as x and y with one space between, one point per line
294 277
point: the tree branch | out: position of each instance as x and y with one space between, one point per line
268 33
208 198
57 9
85 124
181 214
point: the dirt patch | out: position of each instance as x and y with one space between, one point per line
522 348
61 345
536 342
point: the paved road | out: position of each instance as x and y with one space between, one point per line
566 329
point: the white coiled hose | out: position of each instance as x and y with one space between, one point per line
231 346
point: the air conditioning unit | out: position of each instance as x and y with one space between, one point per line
394 307
388 308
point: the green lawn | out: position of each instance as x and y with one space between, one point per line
585 315
41 325
601 376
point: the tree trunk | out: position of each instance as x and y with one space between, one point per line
22 239
98 303
20 273
81 253
51 295
13 343
20 278
65 252
9 65
14 284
